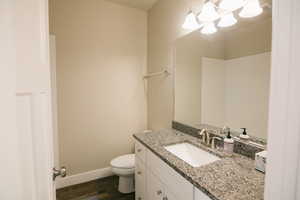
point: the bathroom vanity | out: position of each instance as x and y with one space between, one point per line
162 175
221 84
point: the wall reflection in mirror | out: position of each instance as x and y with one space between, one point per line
223 79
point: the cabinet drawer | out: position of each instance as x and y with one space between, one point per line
140 151
199 195
140 180
174 182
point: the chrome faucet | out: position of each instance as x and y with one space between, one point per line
202 133
205 136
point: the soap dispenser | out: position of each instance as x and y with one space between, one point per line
244 135
228 143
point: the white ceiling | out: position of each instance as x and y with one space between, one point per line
141 4
147 4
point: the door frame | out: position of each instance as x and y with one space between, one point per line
52 45
283 168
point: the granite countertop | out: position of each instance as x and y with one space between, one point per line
233 177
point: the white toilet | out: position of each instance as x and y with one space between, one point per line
123 166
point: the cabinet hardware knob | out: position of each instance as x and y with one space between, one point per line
139 173
139 150
159 192
140 198
165 198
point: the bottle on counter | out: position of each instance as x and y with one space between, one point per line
244 135
228 143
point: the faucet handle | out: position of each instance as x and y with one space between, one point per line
202 131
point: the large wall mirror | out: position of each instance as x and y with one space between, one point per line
223 79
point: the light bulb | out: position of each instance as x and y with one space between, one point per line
190 22
251 9
208 13
231 5
227 20
209 28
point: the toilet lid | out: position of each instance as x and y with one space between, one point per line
125 161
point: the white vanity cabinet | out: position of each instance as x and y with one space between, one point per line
156 180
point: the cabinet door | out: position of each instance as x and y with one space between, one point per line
140 151
155 189
169 196
176 183
140 180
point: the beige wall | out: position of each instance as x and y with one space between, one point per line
101 57
164 26
249 40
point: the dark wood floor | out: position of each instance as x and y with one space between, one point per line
102 189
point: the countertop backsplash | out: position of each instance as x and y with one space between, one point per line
244 148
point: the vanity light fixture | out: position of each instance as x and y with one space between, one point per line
252 8
227 20
208 13
231 5
209 28
190 22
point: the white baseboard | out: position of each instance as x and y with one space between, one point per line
83 177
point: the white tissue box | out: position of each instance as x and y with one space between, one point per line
261 161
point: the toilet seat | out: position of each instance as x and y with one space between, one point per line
122 171
125 162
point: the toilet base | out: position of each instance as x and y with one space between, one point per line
126 184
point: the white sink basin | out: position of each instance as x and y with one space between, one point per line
191 154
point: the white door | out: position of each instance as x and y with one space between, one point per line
26 144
